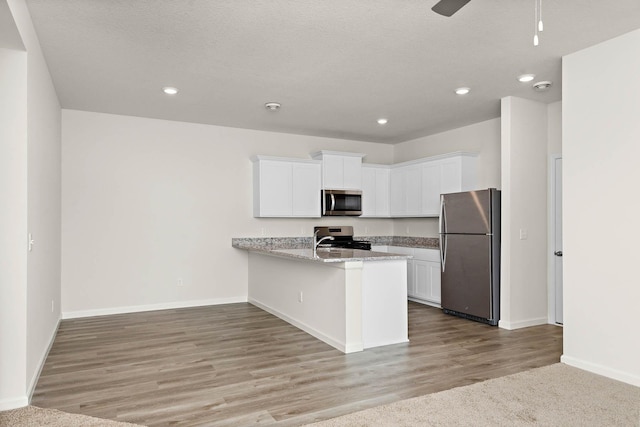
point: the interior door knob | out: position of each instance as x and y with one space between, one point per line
558 253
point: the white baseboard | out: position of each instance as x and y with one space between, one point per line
605 371
522 323
308 329
150 307
13 403
43 358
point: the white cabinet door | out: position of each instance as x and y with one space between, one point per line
431 188
439 177
375 191
305 189
416 185
274 189
286 188
406 191
340 170
352 173
433 293
398 192
369 193
332 172
422 279
450 175
413 196
423 272
382 192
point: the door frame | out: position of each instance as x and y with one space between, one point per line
551 281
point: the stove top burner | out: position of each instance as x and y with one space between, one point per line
342 238
350 244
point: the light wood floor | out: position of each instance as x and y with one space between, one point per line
237 365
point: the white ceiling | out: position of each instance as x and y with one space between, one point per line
335 65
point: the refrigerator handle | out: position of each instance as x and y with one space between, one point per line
441 220
443 250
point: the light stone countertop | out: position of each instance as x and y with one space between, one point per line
300 248
306 242
335 255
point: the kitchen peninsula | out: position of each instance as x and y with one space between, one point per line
351 299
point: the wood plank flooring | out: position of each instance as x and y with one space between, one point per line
236 365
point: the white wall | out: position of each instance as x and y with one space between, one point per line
482 138
554 128
13 228
601 149
35 185
523 287
554 150
147 202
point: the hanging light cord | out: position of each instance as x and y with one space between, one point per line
538 26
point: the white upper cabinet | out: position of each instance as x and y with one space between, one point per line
286 187
340 170
416 185
375 190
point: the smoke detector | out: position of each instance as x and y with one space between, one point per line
542 86
272 106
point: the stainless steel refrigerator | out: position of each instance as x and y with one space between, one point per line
470 254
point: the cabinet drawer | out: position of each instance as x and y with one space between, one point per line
400 250
427 254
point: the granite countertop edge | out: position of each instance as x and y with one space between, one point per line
286 247
305 242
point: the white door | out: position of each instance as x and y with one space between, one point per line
558 238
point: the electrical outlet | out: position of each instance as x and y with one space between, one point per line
52 305
523 234
180 282
300 296
408 230
263 231
366 230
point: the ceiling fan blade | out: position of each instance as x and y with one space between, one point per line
449 7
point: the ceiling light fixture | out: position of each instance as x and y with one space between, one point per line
382 121
541 86
525 78
272 106
462 90
539 27
169 90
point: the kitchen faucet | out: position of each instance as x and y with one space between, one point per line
317 242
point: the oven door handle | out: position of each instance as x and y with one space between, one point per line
333 202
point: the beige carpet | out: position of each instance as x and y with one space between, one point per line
556 395
32 416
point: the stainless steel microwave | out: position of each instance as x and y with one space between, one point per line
341 202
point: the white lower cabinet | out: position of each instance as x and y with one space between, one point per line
423 272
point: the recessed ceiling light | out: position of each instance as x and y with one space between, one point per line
382 121
524 78
170 90
462 90
272 106
540 86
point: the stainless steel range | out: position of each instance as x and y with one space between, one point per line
338 237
